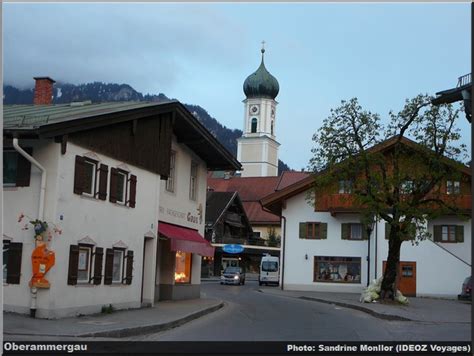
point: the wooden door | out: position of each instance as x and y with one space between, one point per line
406 278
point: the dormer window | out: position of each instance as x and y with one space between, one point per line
253 125
345 187
453 187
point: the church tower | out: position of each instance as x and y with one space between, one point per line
257 149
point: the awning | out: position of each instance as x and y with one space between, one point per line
186 240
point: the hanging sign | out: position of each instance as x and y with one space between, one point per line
233 248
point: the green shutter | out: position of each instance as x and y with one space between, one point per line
303 230
437 233
387 230
459 233
345 231
324 231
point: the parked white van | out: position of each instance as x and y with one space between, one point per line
269 270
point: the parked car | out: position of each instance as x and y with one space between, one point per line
466 290
233 275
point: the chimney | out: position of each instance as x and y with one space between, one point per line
43 91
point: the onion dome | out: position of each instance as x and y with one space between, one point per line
261 84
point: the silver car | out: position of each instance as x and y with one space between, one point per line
233 275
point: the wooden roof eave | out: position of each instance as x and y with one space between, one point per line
96 121
210 140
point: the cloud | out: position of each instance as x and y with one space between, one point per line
150 46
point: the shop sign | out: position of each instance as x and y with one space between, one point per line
233 248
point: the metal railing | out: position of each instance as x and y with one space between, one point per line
464 80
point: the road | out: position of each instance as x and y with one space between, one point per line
250 315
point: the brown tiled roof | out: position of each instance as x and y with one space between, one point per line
252 189
289 177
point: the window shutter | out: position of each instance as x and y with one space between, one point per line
73 264
98 257
437 233
133 191
79 175
113 185
387 230
323 231
103 172
109 266
128 278
303 230
459 233
14 262
23 169
345 231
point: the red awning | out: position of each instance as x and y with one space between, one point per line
186 240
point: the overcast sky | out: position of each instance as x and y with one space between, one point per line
201 54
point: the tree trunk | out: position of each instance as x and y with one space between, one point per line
389 282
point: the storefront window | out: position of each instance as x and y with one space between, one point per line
337 269
182 272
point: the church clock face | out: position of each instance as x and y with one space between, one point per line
254 109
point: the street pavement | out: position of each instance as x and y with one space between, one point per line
251 313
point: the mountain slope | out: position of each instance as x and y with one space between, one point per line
101 92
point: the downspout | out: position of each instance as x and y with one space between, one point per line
375 255
17 148
282 264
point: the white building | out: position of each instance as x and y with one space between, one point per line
325 249
124 236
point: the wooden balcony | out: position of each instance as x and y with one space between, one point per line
345 203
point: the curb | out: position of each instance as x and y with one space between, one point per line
148 329
348 305
357 307
136 330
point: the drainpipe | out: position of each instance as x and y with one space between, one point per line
282 264
375 256
34 290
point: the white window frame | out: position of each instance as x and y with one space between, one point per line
351 235
94 165
170 186
193 181
121 266
125 186
88 262
447 231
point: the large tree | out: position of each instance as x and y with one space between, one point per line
391 177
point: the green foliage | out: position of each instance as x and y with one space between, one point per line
391 177
107 309
273 238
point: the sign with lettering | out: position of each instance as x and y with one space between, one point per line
233 248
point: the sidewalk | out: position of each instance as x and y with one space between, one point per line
419 309
165 315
